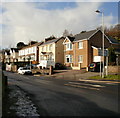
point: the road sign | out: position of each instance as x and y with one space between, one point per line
100 52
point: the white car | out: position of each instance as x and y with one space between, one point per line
46 63
24 70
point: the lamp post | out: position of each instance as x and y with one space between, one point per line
102 39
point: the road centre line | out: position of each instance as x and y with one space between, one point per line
86 84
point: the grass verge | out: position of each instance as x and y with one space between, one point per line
109 77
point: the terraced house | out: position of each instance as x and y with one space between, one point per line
29 53
84 48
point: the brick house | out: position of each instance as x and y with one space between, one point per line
83 48
52 50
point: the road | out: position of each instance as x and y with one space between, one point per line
56 97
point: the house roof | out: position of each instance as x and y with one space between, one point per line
8 52
113 40
52 41
15 49
84 35
36 44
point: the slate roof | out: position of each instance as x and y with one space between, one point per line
113 40
84 35
15 49
36 44
51 41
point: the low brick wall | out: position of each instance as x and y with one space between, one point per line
43 71
113 69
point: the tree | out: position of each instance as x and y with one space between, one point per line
50 38
65 33
20 45
114 31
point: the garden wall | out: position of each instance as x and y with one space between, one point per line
113 69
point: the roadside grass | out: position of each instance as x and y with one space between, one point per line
109 77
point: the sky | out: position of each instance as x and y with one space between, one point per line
23 20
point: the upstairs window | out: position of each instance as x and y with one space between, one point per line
50 47
80 45
69 46
43 49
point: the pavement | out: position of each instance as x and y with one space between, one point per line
77 75
73 74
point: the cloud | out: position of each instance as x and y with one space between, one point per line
60 0
25 21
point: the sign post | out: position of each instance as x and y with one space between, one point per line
100 53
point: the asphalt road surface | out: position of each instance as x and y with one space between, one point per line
56 97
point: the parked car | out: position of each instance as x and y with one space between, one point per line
24 70
46 64
32 66
59 66
95 67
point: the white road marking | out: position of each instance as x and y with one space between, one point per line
78 86
100 81
87 84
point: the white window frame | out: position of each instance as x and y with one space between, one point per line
43 48
70 58
80 59
68 47
46 48
50 47
80 45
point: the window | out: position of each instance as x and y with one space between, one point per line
41 57
69 46
80 45
46 48
51 57
80 58
43 49
50 47
34 49
69 58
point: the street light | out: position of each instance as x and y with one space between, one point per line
102 38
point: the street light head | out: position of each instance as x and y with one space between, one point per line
97 11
